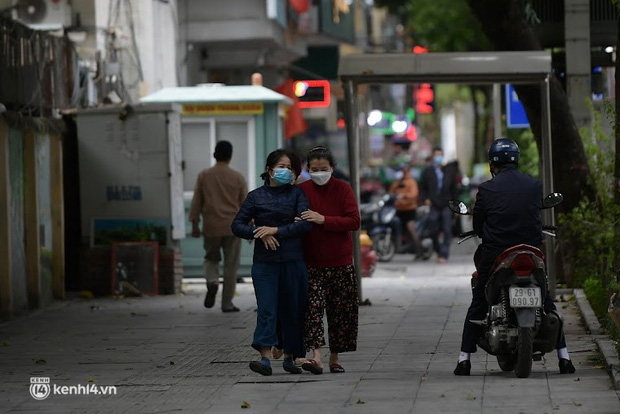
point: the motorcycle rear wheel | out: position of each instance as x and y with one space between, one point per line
524 353
384 247
507 362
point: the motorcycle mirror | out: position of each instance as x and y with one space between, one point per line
458 207
552 200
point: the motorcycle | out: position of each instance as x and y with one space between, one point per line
517 330
388 234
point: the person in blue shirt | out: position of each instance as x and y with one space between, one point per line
279 271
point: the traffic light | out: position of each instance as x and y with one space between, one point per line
424 99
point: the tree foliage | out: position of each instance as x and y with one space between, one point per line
587 232
440 25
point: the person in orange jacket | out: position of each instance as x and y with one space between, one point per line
406 190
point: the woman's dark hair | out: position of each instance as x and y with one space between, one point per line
274 157
320 153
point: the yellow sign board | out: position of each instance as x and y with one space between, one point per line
250 108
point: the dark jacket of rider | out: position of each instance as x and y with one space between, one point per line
507 210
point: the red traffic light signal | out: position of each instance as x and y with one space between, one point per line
425 99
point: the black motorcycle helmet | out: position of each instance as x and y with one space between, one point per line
503 151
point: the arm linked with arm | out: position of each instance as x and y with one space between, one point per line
296 228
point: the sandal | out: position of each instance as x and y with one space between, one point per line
336 368
312 366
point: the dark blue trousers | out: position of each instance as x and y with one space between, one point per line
440 220
281 291
479 306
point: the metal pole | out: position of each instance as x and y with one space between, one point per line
353 145
497 111
547 179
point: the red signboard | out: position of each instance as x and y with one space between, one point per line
312 93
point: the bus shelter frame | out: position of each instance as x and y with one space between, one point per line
522 67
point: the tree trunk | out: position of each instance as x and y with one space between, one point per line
616 187
504 24
478 149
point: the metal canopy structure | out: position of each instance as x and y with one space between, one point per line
525 67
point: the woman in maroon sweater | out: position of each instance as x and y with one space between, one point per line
328 248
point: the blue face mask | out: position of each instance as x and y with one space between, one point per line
438 159
282 176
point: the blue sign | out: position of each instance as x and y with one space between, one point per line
515 113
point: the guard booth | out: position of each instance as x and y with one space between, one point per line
249 117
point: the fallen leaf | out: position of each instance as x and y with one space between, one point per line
577 403
245 404
359 401
470 397
86 294
6 343
91 380
40 361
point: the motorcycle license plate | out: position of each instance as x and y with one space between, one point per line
525 297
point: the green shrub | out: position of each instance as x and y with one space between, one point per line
587 232
597 296
590 233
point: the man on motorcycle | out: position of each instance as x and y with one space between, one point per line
506 213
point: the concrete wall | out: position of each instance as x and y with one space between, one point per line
155 28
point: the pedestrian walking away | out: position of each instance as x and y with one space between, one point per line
328 249
218 194
506 214
437 188
278 271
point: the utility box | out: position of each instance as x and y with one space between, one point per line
250 117
131 189
139 165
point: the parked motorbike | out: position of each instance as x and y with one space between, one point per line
387 232
516 329
369 256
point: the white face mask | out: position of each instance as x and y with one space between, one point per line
321 177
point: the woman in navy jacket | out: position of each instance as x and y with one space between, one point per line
278 271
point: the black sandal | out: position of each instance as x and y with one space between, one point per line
312 366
